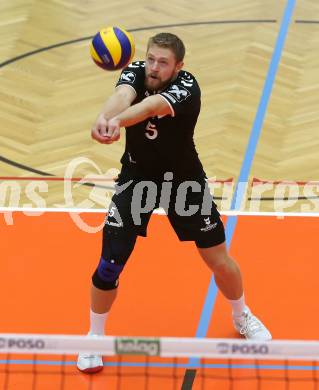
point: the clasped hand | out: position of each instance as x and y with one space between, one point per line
106 131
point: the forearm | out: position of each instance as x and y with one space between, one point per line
150 107
115 104
135 114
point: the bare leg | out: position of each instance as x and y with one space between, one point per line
226 271
101 301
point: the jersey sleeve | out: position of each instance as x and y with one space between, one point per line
183 95
134 76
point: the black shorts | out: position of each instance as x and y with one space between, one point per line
188 204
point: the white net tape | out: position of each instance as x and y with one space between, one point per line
162 346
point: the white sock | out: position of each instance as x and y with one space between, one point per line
238 306
97 323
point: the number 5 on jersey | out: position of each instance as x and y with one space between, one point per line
151 131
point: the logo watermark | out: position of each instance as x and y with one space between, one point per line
146 195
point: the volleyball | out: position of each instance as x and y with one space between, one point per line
112 48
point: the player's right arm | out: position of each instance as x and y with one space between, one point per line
121 99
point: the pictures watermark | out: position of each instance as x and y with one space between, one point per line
185 198
29 195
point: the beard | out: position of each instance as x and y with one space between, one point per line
154 83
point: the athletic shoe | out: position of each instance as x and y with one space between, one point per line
89 363
251 327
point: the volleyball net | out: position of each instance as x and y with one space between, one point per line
48 362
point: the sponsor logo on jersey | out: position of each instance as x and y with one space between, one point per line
137 64
187 80
169 97
178 92
128 76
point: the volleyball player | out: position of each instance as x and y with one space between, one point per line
158 103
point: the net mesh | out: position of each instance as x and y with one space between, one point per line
157 364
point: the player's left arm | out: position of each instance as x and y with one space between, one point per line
155 105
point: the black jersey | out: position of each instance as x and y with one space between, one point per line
163 144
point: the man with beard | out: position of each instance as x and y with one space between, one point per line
158 103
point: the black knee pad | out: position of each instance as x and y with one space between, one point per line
116 249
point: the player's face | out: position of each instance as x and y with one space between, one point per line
160 68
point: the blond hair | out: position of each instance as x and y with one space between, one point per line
169 41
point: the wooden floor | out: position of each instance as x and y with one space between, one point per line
49 99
